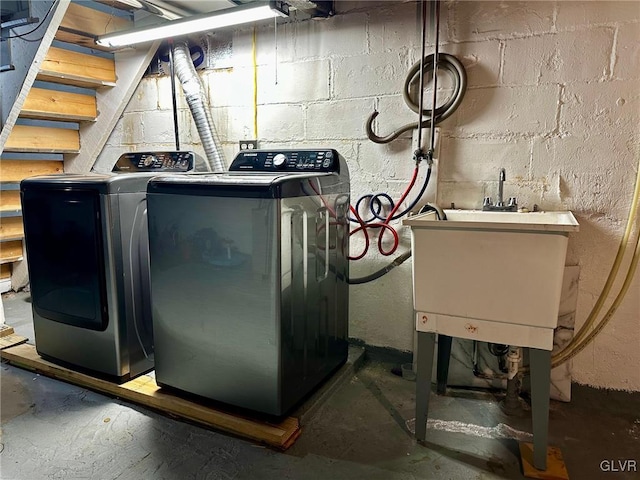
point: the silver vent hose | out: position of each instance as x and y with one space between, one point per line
194 92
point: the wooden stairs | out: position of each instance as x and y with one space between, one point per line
67 102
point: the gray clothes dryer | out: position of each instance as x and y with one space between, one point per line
249 274
88 257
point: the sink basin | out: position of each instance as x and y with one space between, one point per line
530 221
480 267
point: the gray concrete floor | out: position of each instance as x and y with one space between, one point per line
363 430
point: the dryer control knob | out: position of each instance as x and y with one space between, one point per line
280 160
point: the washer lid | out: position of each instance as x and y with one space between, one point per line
109 183
236 184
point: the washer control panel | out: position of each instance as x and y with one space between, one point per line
155 162
321 160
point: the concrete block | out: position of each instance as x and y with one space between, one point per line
393 114
132 128
600 108
481 61
294 82
593 162
277 83
627 61
224 91
165 97
340 35
387 161
349 6
115 138
369 75
271 46
145 97
543 192
584 154
389 324
579 14
467 195
240 123
580 56
396 27
281 123
488 20
189 131
158 126
508 110
479 160
239 90
340 119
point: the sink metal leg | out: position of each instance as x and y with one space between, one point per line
540 362
444 354
424 365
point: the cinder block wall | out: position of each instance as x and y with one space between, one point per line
553 97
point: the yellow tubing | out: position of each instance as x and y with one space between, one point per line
565 355
584 336
254 63
614 269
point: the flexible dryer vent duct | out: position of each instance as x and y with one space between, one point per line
196 98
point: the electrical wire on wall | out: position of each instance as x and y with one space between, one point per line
367 213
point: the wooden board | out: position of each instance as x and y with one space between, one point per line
556 469
93 22
9 199
47 104
10 251
81 25
11 340
16 170
74 68
11 229
24 138
27 58
6 330
144 391
131 65
5 271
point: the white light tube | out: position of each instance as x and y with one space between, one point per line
194 24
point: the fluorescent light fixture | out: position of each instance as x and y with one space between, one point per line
246 13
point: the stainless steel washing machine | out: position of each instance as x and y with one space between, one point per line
249 274
87 250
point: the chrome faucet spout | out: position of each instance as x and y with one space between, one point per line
502 178
500 206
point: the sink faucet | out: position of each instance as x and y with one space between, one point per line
500 206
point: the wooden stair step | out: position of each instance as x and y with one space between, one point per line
17 170
56 105
79 69
5 271
26 138
9 200
81 25
10 251
11 229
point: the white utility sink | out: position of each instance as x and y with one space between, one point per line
530 221
478 268
493 277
